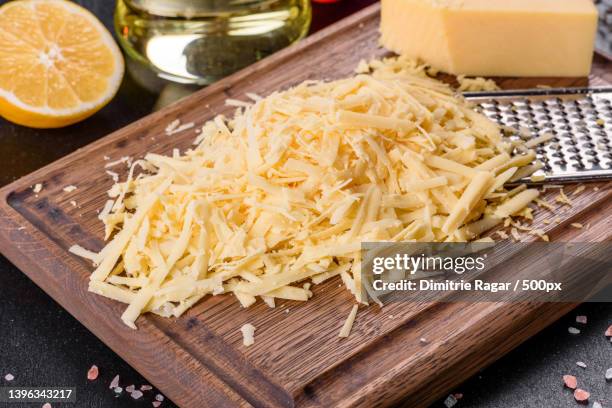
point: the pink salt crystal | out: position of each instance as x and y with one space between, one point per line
46 405
137 394
115 383
450 401
130 388
570 381
581 395
156 404
581 319
145 388
159 397
9 377
92 374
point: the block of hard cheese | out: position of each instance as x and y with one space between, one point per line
494 37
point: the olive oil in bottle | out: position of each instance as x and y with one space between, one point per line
201 41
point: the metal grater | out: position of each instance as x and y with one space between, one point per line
580 119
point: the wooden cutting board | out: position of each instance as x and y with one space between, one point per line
298 359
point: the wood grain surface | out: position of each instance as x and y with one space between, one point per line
297 359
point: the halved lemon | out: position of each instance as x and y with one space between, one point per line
58 63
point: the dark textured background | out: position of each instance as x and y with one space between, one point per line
42 345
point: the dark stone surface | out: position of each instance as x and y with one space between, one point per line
42 345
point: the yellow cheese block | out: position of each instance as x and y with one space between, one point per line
494 37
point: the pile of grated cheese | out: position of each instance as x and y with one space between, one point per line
283 193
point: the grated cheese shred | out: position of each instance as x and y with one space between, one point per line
348 323
563 199
284 192
248 334
477 84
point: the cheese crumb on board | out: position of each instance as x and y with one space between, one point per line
544 204
515 234
348 324
502 234
175 127
83 253
579 189
563 199
124 160
113 175
69 189
172 126
248 334
284 192
37 188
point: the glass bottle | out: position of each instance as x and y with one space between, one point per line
200 41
